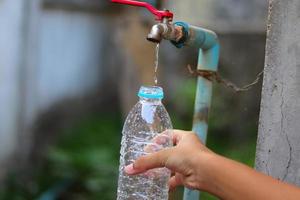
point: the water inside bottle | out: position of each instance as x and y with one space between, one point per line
151 185
144 133
156 63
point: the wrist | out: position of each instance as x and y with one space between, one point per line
207 171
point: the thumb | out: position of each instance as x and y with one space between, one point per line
151 161
175 181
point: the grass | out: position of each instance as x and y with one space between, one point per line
84 163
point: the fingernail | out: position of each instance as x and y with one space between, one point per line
162 140
129 169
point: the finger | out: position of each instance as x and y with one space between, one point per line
175 181
174 135
144 163
177 135
163 138
159 142
129 169
151 148
173 173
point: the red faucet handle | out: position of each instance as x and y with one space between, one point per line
160 14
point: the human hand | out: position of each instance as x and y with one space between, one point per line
196 167
186 159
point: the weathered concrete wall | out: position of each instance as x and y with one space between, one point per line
45 56
226 16
11 22
278 149
71 46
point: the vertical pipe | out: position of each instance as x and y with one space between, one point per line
208 60
209 49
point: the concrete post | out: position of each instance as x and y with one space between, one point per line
278 149
11 31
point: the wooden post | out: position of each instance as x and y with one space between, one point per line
278 148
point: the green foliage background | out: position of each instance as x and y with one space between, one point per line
83 164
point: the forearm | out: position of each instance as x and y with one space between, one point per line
231 180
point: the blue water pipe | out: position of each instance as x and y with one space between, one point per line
209 48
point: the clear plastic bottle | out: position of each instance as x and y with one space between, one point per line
145 132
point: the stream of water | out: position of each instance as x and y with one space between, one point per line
156 63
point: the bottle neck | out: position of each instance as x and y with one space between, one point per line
150 100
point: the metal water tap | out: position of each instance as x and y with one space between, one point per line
164 29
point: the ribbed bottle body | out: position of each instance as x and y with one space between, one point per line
146 130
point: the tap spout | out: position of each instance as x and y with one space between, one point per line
165 31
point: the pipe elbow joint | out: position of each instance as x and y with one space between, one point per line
196 36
